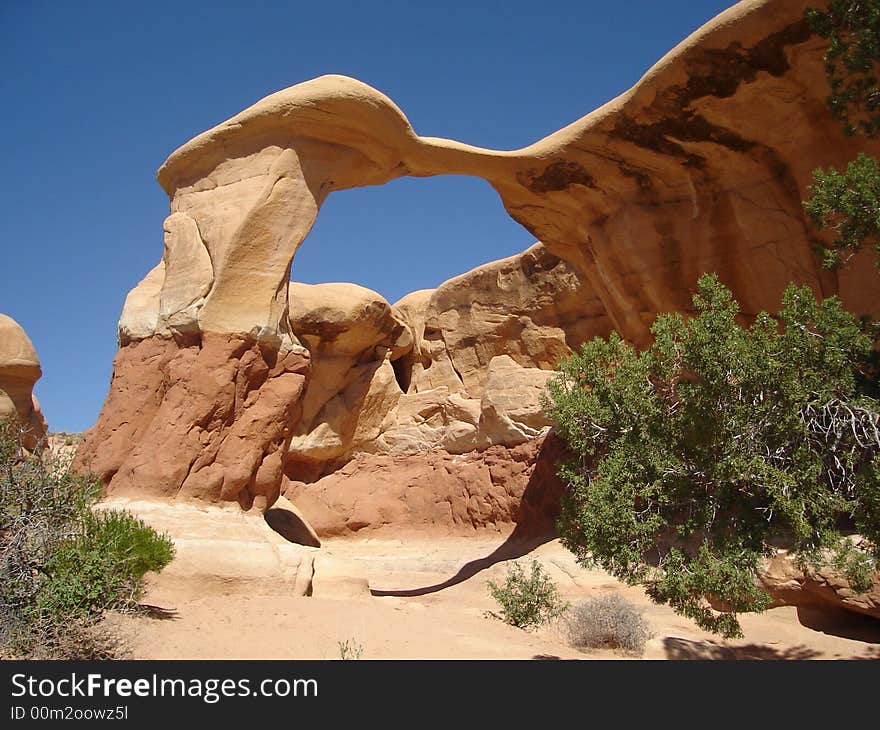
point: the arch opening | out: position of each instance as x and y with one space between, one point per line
407 234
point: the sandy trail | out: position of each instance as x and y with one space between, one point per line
232 593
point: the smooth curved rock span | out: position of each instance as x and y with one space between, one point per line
702 166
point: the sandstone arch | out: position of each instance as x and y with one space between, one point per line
701 166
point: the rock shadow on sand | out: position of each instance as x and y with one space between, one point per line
535 521
686 649
511 549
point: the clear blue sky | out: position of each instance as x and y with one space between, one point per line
97 94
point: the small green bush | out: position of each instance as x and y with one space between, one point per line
527 601
102 567
608 621
62 564
847 203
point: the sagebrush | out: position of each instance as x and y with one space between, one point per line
608 621
62 562
350 649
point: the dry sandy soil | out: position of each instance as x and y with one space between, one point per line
234 591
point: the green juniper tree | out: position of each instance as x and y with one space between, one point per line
697 456
848 202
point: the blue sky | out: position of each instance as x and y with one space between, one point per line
97 94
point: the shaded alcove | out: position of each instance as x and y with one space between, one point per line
408 234
291 525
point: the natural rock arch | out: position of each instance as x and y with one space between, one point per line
702 166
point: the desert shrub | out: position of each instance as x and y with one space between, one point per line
82 638
608 621
62 564
527 601
696 457
350 649
102 566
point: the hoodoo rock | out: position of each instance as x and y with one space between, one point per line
19 370
233 384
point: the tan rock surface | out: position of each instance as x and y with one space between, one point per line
532 307
430 419
352 333
824 588
512 406
189 276
140 312
219 549
19 371
364 353
346 319
503 321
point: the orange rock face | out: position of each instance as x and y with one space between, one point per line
437 492
207 420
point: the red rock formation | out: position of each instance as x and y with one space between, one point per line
208 419
438 492
434 402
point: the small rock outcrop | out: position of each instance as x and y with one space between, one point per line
19 371
790 584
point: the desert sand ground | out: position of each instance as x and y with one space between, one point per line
232 593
